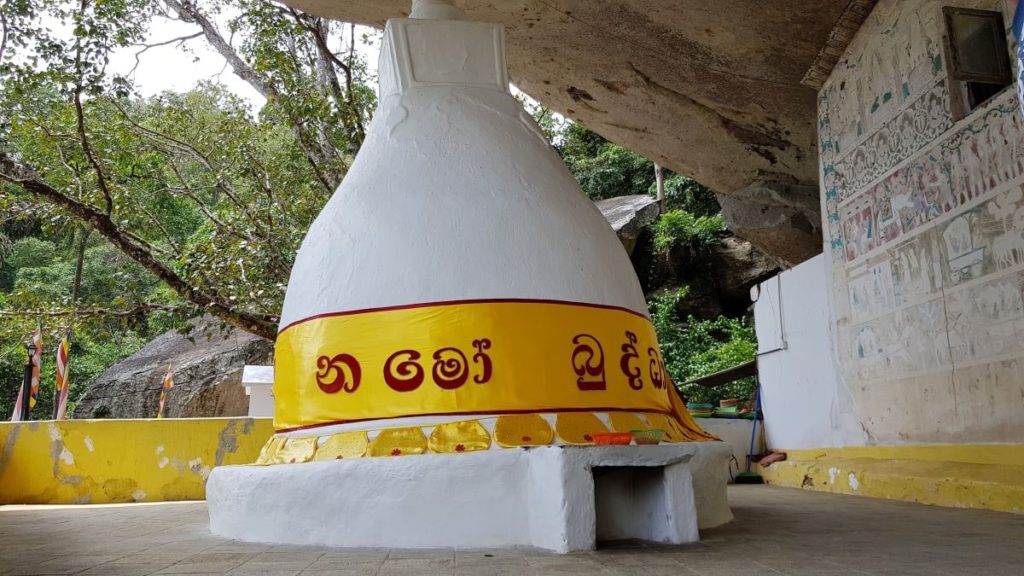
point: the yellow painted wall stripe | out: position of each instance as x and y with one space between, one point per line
966 453
104 461
986 476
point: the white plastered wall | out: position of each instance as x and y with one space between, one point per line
805 402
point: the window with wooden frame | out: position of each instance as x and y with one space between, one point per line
977 57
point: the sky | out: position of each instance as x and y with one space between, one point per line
178 67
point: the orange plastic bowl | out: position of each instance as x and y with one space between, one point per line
612 438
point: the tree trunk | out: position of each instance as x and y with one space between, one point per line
659 177
83 232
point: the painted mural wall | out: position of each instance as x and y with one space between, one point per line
925 220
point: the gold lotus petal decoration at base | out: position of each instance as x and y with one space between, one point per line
510 431
454 437
515 430
625 422
340 446
296 450
578 427
398 442
269 450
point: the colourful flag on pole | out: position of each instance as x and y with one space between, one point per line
37 361
62 378
16 417
164 389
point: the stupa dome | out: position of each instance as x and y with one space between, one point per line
459 276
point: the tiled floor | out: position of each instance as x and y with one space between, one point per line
776 531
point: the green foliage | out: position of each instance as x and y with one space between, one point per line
576 142
283 52
614 171
603 169
678 228
31 252
108 278
43 272
606 170
684 193
701 347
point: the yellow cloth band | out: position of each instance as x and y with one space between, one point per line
469 357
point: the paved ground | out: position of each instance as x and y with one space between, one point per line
777 531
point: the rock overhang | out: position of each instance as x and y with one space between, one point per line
711 90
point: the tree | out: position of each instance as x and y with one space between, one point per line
206 198
607 170
697 348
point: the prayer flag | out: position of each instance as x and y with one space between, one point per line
62 378
37 360
164 389
37 355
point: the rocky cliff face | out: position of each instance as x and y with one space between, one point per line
207 365
629 216
719 283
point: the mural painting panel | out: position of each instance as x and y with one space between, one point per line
984 240
987 321
987 153
871 292
916 269
895 141
883 73
911 341
858 224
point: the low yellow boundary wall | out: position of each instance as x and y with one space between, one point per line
989 476
102 461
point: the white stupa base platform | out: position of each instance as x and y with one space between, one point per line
558 498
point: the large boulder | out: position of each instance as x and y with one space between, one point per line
629 216
207 363
781 219
719 280
738 266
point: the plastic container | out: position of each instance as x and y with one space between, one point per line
649 436
612 438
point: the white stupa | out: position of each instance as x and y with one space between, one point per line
462 304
